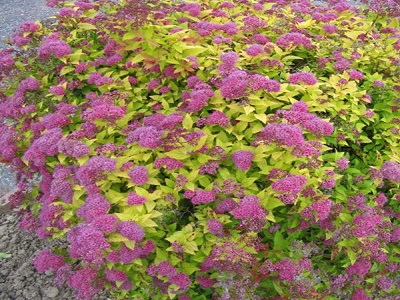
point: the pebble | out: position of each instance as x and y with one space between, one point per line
51 292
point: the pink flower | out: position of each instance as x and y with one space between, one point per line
54 120
218 118
193 8
87 243
360 294
234 86
395 235
95 205
202 197
282 134
259 82
290 184
342 163
205 282
128 255
287 269
329 28
242 159
360 267
54 47
354 74
105 223
249 208
302 77
153 84
342 64
29 84
168 162
391 170
82 281
164 268
255 50
131 230
148 137
215 227
115 275
182 280
57 90
322 208
135 199
318 126
47 260
293 39
139 175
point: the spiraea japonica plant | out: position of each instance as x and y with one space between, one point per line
218 150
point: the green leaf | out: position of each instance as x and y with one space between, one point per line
279 242
5 255
189 268
187 122
86 26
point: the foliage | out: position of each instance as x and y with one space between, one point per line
220 150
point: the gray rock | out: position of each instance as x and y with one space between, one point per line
51 292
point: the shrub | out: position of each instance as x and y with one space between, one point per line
220 150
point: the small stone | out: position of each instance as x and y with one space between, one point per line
51 292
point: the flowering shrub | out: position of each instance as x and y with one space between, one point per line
220 150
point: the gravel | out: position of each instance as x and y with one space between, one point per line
14 12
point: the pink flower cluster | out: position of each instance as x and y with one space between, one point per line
258 82
219 118
131 230
234 86
106 112
215 227
391 170
165 269
46 260
138 175
360 267
292 184
95 205
168 162
97 79
83 281
249 208
135 199
46 145
302 77
73 148
342 163
294 39
366 224
242 159
87 243
322 208
53 46
298 114
147 136
93 170
54 120
282 134
201 197
105 223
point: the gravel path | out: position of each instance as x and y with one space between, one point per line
14 12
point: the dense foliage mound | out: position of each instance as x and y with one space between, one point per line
220 150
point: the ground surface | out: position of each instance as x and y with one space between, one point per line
18 279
